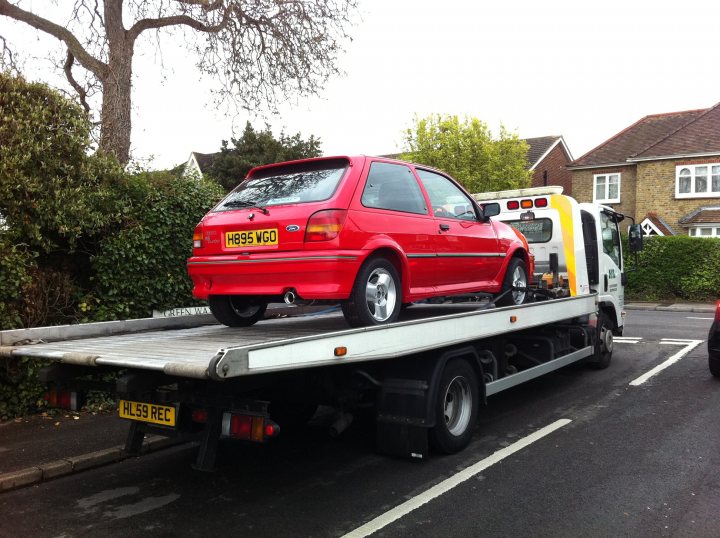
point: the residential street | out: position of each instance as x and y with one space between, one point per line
633 460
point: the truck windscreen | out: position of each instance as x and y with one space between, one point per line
535 231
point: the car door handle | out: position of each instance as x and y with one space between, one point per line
444 227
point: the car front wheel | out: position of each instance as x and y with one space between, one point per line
237 310
376 297
514 284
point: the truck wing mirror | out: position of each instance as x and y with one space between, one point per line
635 239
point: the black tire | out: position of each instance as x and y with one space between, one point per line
380 275
237 310
456 407
603 343
714 365
515 275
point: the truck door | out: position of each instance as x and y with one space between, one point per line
611 263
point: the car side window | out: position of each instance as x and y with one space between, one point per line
393 186
447 200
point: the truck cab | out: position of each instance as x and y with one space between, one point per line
579 241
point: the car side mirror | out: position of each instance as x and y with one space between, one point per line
635 238
491 209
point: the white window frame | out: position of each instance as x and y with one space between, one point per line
607 177
693 193
694 231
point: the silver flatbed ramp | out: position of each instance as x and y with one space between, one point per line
219 352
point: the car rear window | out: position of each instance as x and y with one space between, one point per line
535 231
291 184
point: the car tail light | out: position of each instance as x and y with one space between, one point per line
64 399
717 311
249 427
198 236
325 225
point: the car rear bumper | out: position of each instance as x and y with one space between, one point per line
313 275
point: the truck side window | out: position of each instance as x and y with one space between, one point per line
610 238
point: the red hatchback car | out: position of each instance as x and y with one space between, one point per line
370 233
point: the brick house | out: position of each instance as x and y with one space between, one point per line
663 170
548 157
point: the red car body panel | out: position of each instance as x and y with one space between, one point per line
435 256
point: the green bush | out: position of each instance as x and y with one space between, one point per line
675 267
16 263
142 266
20 389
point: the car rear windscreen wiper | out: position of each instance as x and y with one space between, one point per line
246 203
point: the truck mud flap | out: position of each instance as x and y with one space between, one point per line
402 418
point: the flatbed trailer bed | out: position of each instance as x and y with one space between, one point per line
217 352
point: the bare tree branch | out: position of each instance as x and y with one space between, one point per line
89 62
67 67
7 57
177 20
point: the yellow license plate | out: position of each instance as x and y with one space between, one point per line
252 238
164 415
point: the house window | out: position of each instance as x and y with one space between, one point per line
606 188
707 230
697 181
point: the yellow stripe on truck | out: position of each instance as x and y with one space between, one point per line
564 209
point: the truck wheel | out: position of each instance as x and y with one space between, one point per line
376 296
236 310
456 408
603 343
516 276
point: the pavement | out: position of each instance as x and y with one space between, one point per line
38 448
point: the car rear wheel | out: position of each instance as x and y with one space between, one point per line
376 296
237 310
516 276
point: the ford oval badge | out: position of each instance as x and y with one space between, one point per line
292 228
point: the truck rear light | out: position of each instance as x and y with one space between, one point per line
271 429
248 427
325 225
64 399
198 236
513 204
541 202
526 204
199 415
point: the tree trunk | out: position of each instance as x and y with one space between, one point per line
115 115
117 86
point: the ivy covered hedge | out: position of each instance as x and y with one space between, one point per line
675 267
81 239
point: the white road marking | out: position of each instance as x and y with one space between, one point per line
689 345
408 506
691 317
627 339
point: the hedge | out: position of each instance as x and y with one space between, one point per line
675 267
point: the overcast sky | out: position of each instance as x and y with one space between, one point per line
584 70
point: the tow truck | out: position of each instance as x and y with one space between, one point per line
426 376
